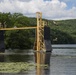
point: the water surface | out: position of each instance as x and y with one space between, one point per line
62 60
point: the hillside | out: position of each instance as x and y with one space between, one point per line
65 30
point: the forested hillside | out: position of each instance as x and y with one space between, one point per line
62 32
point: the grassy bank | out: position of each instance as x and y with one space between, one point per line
18 67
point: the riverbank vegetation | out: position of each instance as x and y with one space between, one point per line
19 67
62 31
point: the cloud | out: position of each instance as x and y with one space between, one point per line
54 9
24 0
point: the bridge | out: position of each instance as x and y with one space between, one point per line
42 37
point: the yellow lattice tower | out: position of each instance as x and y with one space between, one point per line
40 32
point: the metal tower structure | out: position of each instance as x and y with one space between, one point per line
39 42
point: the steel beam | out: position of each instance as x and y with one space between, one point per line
20 28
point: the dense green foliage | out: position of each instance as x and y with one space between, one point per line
17 39
62 32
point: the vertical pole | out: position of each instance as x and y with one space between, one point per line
37 31
39 22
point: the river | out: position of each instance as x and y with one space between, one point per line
62 60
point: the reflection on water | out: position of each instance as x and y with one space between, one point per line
41 59
17 56
62 61
70 52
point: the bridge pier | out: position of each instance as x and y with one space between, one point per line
47 40
2 45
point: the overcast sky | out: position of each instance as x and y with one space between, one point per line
51 9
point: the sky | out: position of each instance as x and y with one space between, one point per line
51 9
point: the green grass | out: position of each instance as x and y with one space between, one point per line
17 67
